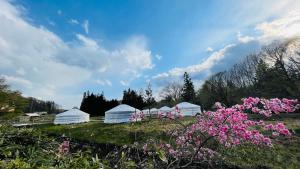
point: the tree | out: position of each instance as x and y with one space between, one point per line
149 99
96 104
36 105
274 72
13 102
132 98
188 91
3 85
171 92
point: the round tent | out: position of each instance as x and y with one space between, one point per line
71 116
120 114
188 109
165 109
146 112
154 111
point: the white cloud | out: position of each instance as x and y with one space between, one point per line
87 42
209 49
85 26
244 39
17 80
213 59
51 22
124 83
56 69
129 59
158 57
285 27
59 12
21 71
73 21
104 82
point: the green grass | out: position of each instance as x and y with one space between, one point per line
283 155
118 134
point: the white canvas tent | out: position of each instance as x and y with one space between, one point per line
32 114
188 109
165 109
120 114
154 111
71 116
146 112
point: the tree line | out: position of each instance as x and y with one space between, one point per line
97 104
12 101
274 72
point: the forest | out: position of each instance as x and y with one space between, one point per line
12 103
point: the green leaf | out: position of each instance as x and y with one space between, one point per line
162 156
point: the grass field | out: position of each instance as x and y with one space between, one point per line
118 134
283 155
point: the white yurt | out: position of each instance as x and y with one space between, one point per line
165 109
120 114
188 109
154 111
71 116
146 112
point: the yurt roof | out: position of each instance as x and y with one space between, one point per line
183 105
165 108
154 109
72 112
32 114
122 108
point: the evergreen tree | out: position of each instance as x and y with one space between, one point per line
132 98
149 99
188 93
96 104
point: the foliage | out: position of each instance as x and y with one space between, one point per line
272 73
96 105
149 99
27 148
36 105
226 127
188 91
171 94
133 98
12 103
285 153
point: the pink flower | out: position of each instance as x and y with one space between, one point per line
64 148
230 127
218 105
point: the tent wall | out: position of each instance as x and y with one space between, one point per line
117 117
71 119
190 111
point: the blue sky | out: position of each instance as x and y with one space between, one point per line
56 50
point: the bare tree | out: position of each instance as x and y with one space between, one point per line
172 90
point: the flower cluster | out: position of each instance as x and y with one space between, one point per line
178 113
267 107
64 148
160 115
230 127
137 116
